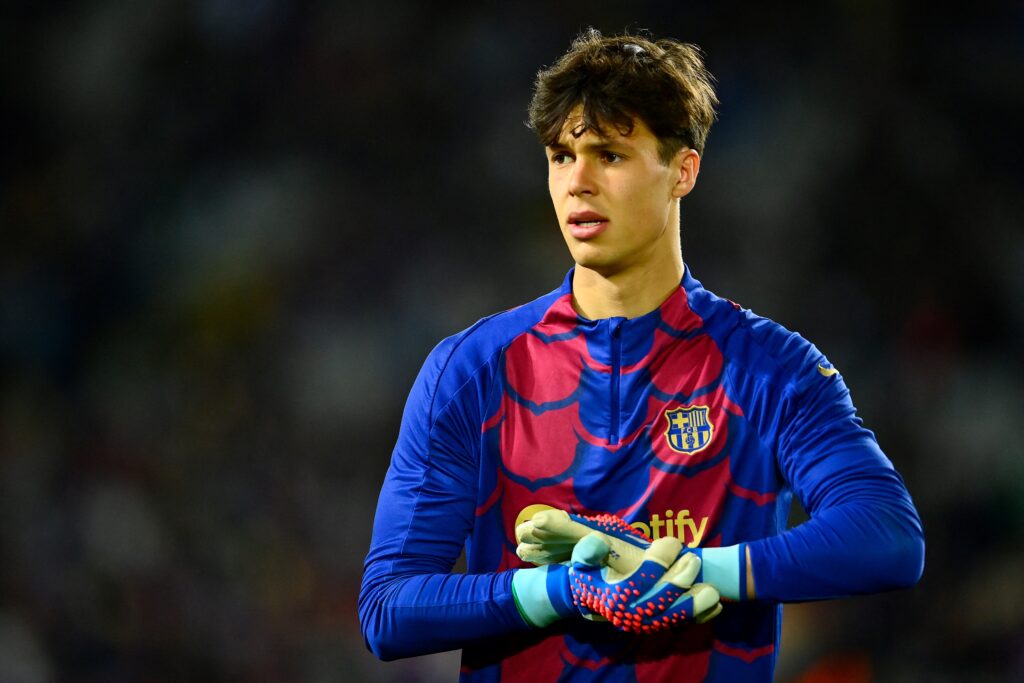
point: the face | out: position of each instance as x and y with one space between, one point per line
616 201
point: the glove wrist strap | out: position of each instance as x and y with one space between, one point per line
540 598
726 570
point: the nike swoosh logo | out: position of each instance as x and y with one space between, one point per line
826 372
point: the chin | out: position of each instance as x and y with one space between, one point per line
602 266
596 255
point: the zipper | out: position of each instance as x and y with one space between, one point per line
616 333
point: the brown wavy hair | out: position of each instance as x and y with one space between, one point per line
616 79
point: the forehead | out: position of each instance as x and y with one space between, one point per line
575 132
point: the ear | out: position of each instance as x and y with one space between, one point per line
687 163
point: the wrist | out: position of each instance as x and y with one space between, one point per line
542 594
726 569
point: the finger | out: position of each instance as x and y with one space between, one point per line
663 551
524 532
705 599
536 545
708 615
590 552
529 532
668 605
683 571
551 520
557 524
539 554
701 601
551 525
559 530
547 543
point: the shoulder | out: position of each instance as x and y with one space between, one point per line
463 356
758 345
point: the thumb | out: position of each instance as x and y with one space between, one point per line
663 551
591 551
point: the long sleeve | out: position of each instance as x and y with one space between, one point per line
410 603
864 534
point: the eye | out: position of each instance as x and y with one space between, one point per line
611 157
560 158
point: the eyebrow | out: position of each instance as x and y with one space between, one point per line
599 146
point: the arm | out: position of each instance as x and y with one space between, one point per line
864 534
410 603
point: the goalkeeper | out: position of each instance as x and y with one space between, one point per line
672 421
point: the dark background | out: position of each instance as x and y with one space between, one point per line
232 231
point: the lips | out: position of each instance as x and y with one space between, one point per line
585 225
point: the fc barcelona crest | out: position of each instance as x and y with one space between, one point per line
689 429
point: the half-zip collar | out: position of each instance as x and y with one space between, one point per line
616 347
615 397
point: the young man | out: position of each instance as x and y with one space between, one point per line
634 392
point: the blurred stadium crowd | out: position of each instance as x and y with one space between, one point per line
233 230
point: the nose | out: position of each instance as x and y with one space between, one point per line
581 179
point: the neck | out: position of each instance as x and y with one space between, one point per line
628 293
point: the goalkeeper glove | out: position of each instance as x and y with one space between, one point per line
550 535
655 595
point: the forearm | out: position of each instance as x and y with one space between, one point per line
862 546
410 615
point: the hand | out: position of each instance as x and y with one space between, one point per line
657 594
550 536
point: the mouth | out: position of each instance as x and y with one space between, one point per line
584 225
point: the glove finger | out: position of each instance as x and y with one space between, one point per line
537 546
586 581
553 524
700 600
708 615
590 552
664 552
684 570
539 554
524 532
668 607
673 583
705 598
529 532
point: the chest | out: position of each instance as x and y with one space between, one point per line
643 435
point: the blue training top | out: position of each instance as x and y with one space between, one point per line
698 420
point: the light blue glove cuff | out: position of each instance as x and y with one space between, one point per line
726 570
533 590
